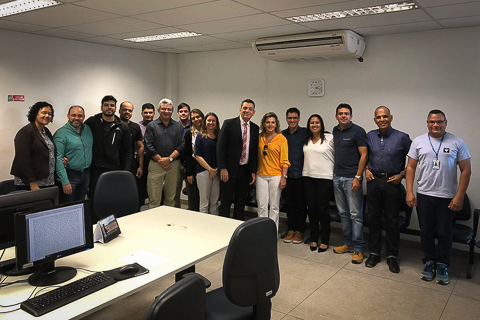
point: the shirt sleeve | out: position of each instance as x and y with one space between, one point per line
413 152
60 142
463 152
284 155
361 138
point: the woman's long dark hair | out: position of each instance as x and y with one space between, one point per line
309 133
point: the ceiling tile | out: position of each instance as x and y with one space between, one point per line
218 46
223 9
184 42
455 11
436 3
237 24
460 22
370 21
144 33
62 15
112 26
344 5
132 7
65 34
18 26
269 5
254 34
398 28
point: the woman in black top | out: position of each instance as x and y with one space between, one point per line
34 164
196 120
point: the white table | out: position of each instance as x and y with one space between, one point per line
180 238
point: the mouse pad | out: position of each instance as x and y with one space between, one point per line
117 275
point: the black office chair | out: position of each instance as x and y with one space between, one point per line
250 277
116 193
185 300
466 234
250 274
6 186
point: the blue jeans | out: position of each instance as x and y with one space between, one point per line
350 208
79 181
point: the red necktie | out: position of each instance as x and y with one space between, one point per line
244 148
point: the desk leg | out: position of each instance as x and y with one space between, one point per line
179 275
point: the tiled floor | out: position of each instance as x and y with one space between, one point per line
327 286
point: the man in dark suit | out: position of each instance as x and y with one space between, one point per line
237 151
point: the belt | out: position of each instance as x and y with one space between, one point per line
383 174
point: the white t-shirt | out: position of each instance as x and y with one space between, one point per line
318 158
440 183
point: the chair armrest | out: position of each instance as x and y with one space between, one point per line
193 274
476 214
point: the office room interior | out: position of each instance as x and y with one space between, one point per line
414 61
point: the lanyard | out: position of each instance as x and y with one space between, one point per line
436 152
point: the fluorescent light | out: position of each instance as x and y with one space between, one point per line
393 7
20 6
165 36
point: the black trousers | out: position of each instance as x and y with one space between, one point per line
383 199
318 193
295 204
235 190
193 195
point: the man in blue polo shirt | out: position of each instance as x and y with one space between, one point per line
437 154
351 157
293 192
387 152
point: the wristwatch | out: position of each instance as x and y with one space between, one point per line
170 158
285 176
403 174
359 178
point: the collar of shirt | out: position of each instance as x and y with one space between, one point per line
347 128
387 134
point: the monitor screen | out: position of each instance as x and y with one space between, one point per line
22 201
43 236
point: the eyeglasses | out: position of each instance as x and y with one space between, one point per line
265 148
436 122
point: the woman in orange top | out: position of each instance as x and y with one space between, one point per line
272 167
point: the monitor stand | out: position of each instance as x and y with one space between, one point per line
51 275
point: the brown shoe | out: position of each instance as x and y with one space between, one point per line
298 237
343 249
289 237
357 257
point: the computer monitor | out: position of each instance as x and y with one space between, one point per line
22 201
44 236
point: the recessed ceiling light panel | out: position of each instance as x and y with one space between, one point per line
386 8
165 36
20 6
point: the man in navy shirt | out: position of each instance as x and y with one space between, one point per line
351 157
293 192
387 151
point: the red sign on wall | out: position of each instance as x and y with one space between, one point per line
16 97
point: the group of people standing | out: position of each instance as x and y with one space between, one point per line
308 166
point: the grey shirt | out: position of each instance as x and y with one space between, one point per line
163 140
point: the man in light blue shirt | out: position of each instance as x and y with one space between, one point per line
74 141
437 154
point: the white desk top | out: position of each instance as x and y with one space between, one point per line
165 240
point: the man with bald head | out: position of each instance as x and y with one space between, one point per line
387 151
74 141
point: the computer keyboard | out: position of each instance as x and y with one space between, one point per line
5 264
73 291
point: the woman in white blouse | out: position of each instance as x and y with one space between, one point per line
318 180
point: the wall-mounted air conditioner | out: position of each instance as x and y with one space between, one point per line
324 45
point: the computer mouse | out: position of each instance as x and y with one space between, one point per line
129 269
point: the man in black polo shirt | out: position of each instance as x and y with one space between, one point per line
293 192
351 157
387 151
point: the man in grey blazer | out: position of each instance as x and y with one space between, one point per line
237 151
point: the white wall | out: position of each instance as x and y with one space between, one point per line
65 72
410 73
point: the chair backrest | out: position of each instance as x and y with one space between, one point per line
185 300
466 212
115 193
6 186
250 270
